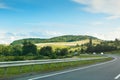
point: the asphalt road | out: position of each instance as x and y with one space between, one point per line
104 71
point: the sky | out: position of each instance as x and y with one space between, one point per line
49 18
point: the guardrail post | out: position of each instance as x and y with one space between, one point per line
48 65
71 63
56 65
20 69
5 71
32 67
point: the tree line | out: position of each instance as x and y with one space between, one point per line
105 46
29 49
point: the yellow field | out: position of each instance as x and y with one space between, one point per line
66 44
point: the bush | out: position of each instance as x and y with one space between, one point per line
17 58
46 51
62 52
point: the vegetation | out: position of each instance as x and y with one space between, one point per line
13 71
46 51
105 46
66 38
26 49
29 50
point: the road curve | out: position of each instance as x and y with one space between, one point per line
103 71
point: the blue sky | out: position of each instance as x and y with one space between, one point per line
48 18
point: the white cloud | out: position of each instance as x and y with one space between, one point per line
113 17
52 24
110 7
8 37
112 35
96 23
4 6
53 33
7 7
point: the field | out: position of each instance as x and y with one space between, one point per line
72 46
68 43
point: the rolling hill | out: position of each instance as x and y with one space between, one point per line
65 38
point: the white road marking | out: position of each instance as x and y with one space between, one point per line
71 70
118 76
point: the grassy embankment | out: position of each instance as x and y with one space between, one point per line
113 52
14 71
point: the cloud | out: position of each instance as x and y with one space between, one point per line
110 7
96 23
53 33
52 24
110 35
112 17
4 6
8 37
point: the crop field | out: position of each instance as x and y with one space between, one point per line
64 44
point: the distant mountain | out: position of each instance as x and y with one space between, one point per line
65 38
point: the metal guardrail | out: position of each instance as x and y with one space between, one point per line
21 64
34 62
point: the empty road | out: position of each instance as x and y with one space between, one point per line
103 71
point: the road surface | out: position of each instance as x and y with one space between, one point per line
103 71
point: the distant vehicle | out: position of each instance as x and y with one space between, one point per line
75 53
102 53
94 53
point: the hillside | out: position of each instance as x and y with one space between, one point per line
66 38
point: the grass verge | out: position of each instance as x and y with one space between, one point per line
14 71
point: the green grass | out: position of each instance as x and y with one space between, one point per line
14 58
89 55
14 71
113 52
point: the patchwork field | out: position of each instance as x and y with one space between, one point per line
67 44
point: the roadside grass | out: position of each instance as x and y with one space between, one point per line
15 71
89 55
14 58
113 52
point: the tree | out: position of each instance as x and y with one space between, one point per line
1 49
62 52
16 50
117 42
46 51
89 46
29 48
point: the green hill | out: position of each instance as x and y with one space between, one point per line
65 38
